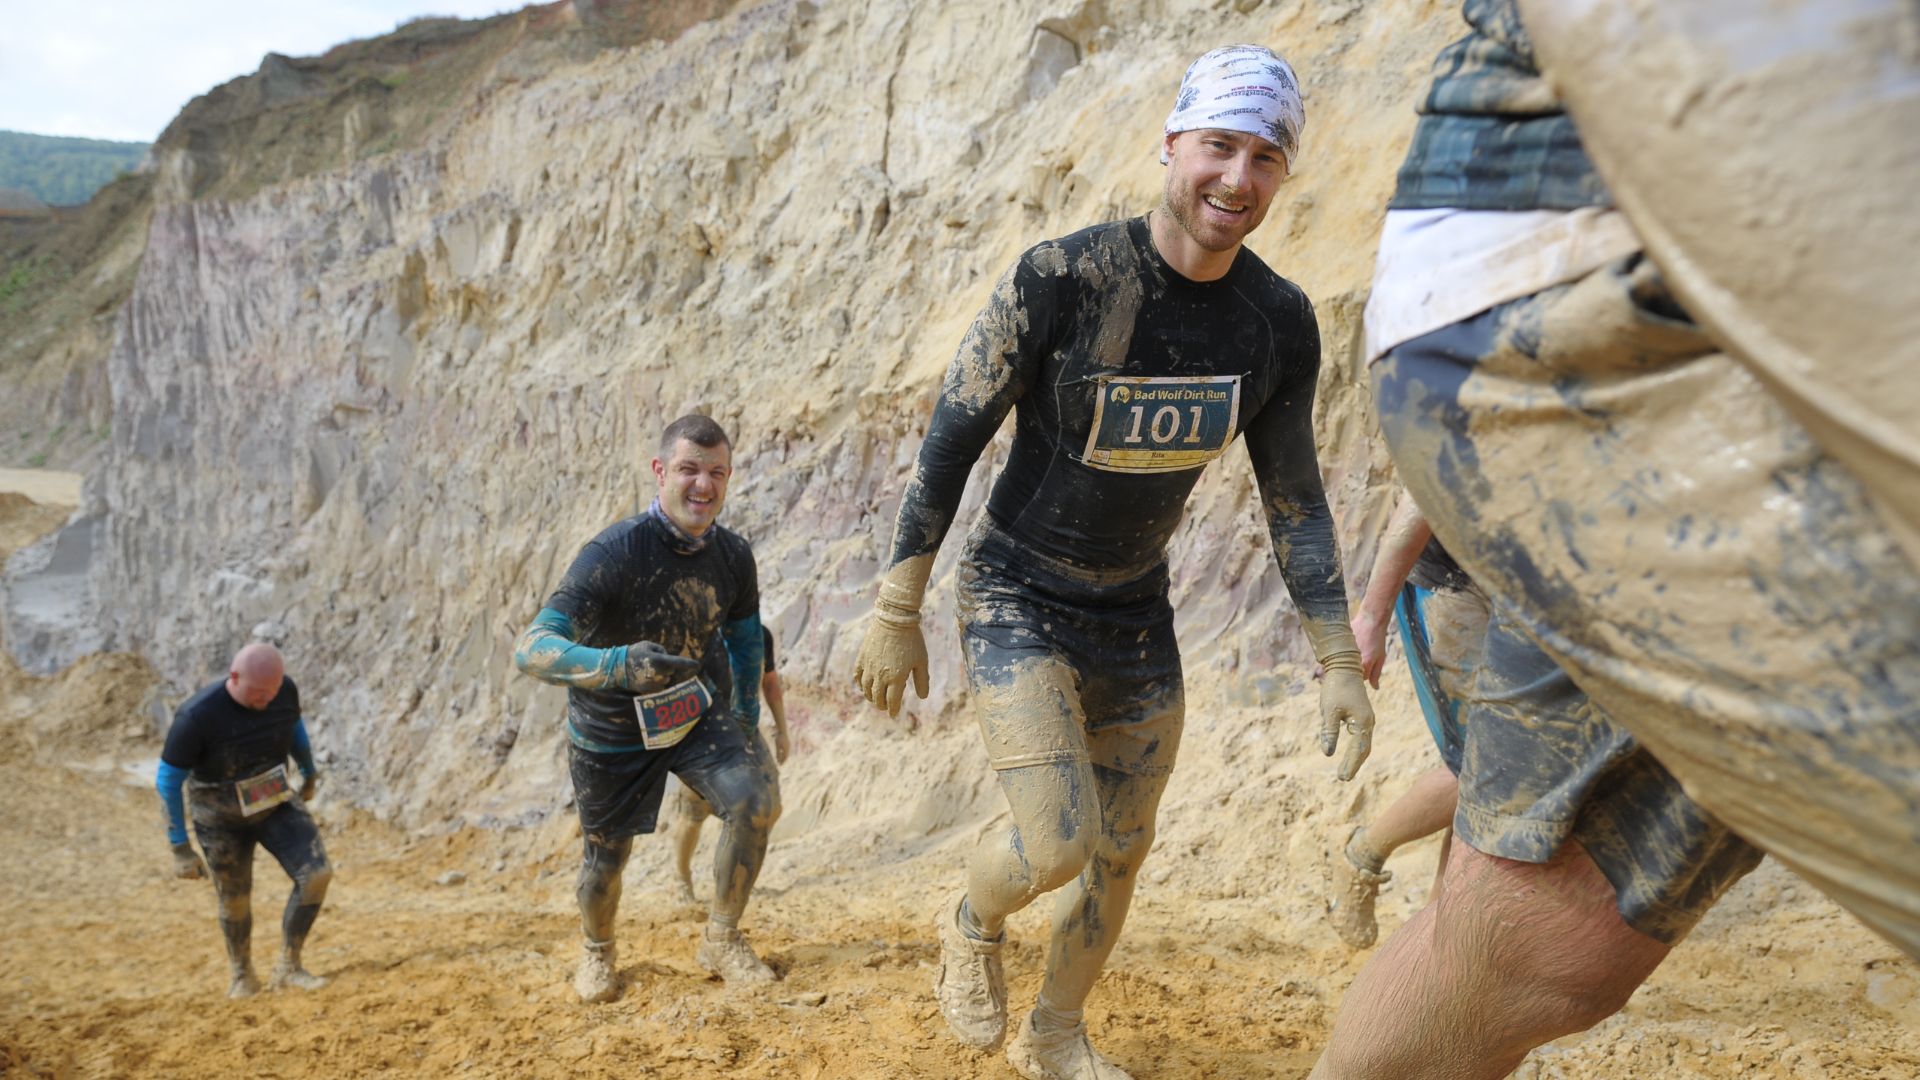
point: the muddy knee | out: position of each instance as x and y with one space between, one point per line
311 886
236 907
755 809
760 809
1055 850
1123 853
600 868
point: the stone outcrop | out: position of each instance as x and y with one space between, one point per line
384 403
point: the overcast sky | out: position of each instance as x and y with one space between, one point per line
121 69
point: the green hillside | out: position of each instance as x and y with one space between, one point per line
63 171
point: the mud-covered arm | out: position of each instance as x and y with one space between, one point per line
1280 440
990 371
549 650
1299 522
746 656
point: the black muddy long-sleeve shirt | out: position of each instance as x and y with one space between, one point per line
1125 379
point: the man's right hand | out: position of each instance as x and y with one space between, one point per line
650 667
893 649
186 863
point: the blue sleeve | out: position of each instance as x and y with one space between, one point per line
302 748
168 782
548 651
746 654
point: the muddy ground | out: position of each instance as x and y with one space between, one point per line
450 951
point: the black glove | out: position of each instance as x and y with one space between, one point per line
649 667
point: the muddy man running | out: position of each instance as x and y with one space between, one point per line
1130 354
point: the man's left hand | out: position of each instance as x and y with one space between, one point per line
1344 704
309 785
781 746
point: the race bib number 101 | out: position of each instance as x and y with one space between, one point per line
1161 424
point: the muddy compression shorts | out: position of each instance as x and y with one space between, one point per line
1068 665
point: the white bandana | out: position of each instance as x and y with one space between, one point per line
1241 88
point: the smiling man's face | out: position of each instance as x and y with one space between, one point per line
1220 183
693 484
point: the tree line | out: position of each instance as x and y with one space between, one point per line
63 171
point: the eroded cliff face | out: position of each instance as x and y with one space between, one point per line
385 403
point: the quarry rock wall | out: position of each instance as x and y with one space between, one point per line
383 405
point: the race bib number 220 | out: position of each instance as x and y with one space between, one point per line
1161 424
667 717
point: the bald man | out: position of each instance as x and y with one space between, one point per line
228 748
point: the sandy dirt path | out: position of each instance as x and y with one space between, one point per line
110 968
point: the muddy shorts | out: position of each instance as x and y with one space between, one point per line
1542 765
689 804
1639 506
618 793
228 838
1067 664
1443 631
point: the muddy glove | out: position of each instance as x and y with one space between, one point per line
186 863
647 667
894 647
1343 703
1343 693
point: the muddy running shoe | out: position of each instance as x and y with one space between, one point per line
596 981
730 957
292 975
245 984
970 985
1354 888
1063 1053
683 895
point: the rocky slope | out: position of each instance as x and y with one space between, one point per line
382 403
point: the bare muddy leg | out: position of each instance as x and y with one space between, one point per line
1356 866
1509 955
1425 809
1056 821
1056 825
692 812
